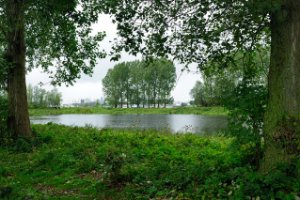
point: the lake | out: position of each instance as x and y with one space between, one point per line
175 122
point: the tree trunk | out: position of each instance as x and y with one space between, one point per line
127 101
18 117
138 100
282 115
154 100
121 106
144 99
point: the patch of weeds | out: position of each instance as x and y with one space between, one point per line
113 161
3 172
46 158
85 163
23 145
5 192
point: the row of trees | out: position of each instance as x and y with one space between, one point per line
217 86
140 83
211 91
39 98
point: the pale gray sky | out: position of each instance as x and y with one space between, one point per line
91 87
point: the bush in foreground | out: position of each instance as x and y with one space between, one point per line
85 163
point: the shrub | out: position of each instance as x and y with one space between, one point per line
3 120
247 106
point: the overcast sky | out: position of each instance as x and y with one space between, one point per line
91 87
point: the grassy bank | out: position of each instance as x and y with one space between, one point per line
86 163
100 110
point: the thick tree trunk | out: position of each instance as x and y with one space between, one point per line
18 117
282 116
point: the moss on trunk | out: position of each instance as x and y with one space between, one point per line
284 86
18 117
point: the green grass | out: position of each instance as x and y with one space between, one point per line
86 163
100 110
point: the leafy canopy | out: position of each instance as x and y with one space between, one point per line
59 37
193 30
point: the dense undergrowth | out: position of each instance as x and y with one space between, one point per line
101 110
85 163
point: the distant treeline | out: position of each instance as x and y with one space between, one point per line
221 85
40 98
140 83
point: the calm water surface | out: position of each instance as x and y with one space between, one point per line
176 123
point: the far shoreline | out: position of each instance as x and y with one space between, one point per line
209 111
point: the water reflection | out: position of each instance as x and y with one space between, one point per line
176 123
